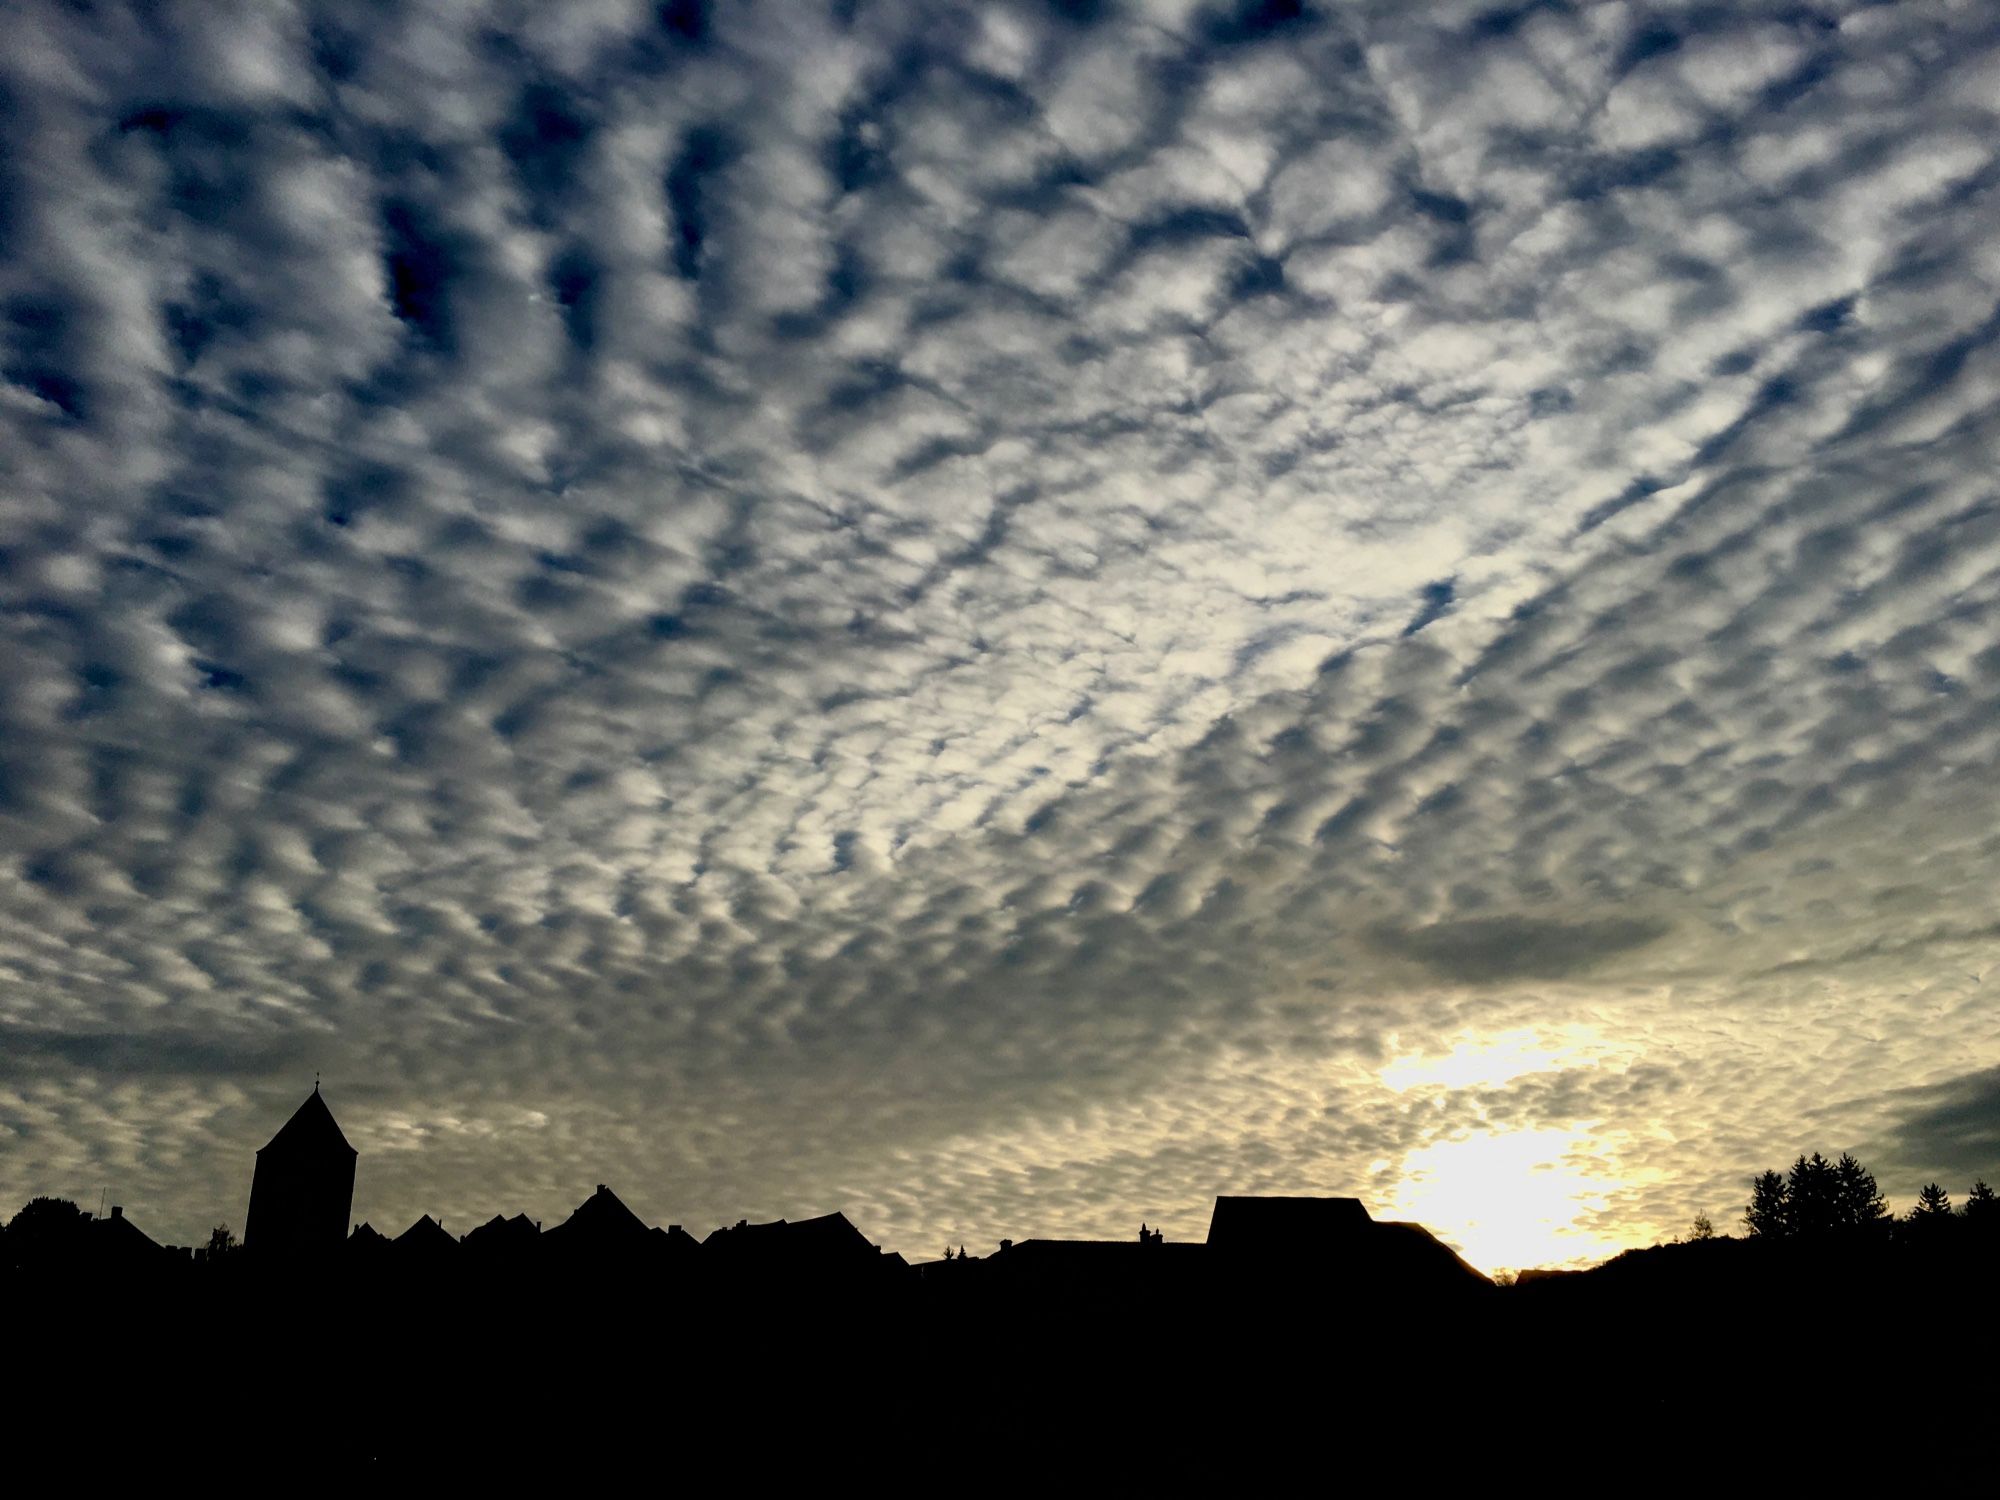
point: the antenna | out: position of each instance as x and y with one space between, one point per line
101 1194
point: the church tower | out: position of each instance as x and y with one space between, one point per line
303 1186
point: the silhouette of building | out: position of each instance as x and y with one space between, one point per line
1283 1226
801 1253
1333 1245
117 1244
502 1242
1285 1250
367 1246
424 1245
303 1186
602 1229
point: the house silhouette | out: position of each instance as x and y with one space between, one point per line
804 1252
303 1186
1290 1251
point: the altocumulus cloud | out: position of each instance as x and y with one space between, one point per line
976 615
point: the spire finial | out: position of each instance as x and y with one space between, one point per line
315 1080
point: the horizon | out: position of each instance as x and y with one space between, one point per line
984 615
1479 1229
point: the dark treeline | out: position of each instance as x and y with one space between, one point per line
514 1347
1818 1199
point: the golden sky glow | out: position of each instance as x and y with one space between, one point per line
1509 1199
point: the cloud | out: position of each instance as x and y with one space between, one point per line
1950 1129
1484 950
978 617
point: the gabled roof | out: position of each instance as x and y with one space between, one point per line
502 1237
426 1236
601 1218
311 1131
830 1238
120 1236
1284 1225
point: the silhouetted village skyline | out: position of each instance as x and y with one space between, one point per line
1292 1313
301 1199
302 1191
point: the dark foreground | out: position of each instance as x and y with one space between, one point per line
1717 1362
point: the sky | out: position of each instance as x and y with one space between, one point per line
1002 618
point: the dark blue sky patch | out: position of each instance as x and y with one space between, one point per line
1778 391
1602 175
39 355
855 152
1829 317
211 309
353 492
1240 21
337 49
1784 92
1504 21
1653 39
1446 208
421 267
1261 276
1638 490
574 277
704 153
1735 362
1436 601
684 20
1186 225
546 139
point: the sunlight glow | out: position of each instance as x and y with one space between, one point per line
1488 1060
1507 1200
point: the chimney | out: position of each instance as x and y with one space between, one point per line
601 1188
1005 1246
117 1212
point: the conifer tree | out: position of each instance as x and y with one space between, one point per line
1933 1204
1860 1201
1767 1216
1812 1197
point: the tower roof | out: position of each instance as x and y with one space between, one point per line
310 1131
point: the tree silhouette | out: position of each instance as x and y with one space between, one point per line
1768 1214
1981 1205
1700 1229
1860 1201
47 1231
1815 1199
1933 1204
1812 1196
